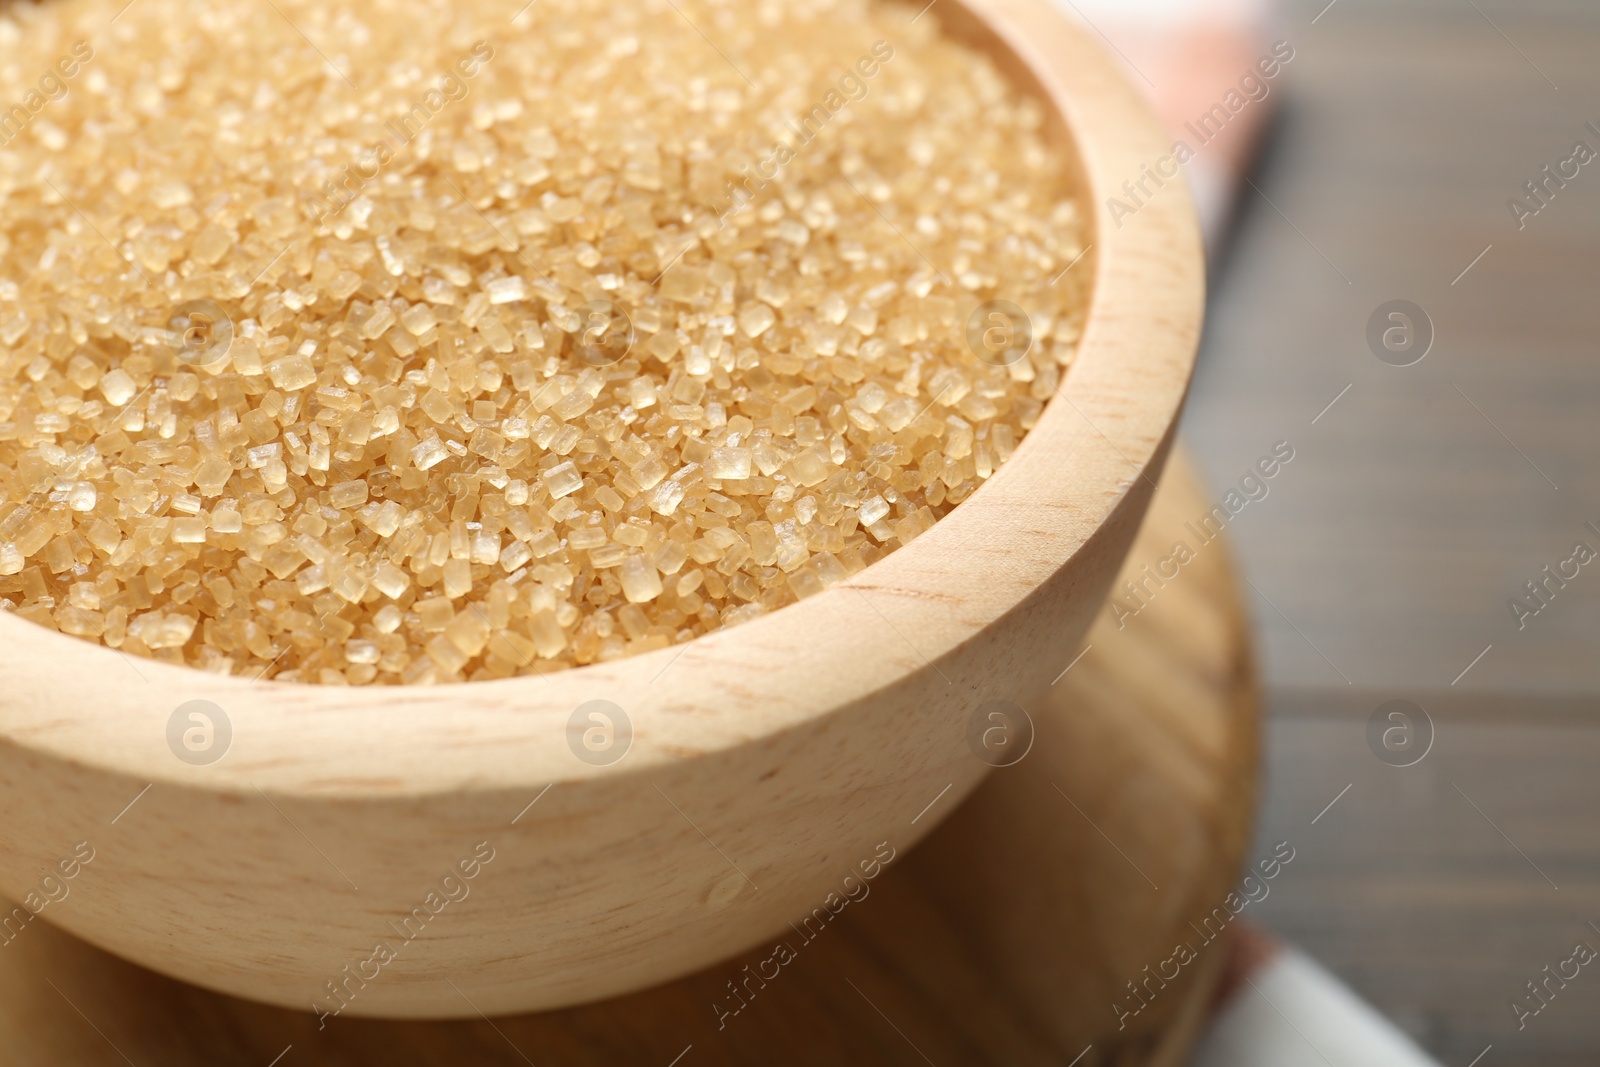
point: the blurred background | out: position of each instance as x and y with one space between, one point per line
1422 499
1420 554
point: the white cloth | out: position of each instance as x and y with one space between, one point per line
1295 1014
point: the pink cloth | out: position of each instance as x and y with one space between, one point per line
1188 56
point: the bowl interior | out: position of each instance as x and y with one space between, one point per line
1105 430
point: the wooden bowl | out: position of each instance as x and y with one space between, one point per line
479 848
1006 939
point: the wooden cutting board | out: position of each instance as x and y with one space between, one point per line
1010 936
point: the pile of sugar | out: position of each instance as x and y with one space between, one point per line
420 341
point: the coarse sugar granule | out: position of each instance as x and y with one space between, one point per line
414 342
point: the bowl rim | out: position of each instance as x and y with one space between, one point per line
1110 420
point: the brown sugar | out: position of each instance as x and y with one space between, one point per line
412 342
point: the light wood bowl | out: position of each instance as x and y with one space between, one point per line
1003 940
766 762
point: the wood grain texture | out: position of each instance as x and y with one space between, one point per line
1410 892
1003 939
1410 517
1406 521
762 758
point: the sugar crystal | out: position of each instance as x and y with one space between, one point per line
549 384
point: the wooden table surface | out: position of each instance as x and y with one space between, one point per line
1422 500
1006 938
